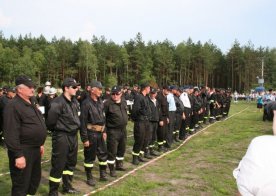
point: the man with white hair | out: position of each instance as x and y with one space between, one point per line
25 134
92 132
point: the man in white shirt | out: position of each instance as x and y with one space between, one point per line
184 129
269 97
256 173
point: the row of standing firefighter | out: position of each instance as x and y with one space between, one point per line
171 114
160 117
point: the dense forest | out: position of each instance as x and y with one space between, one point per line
135 61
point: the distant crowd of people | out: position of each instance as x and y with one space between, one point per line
161 117
254 96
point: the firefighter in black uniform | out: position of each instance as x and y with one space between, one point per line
163 118
194 116
201 107
92 132
219 104
228 99
213 105
196 109
179 114
116 116
154 120
84 94
205 105
140 114
4 100
63 121
25 133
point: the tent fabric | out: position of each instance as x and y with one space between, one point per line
259 89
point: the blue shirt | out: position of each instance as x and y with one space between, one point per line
171 102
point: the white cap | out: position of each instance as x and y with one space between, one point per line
46 90
47 83
52 91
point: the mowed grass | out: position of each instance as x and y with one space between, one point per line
202 166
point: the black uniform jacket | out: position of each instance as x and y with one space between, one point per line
140 109
91 112
179 105
23 126
115 114
155 110
63 115
164 107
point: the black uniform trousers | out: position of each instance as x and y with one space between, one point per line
64 155
141 133
169 136
200 118
213 112
178 119
182 130
26 181
97 148
161 134
116 144
185 123
206 114
153 133
227 108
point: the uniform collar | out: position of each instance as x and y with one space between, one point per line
23 101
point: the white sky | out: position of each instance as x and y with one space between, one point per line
221 21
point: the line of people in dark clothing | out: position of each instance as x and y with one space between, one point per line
161 117
171 114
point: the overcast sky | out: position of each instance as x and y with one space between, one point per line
221 21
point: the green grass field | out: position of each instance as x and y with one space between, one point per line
201 166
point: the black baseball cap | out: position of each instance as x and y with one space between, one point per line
11 89
173 87
96 84
116 89
24 80
153 90
69 82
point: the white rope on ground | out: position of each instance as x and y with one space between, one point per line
155 159
3 174
48 160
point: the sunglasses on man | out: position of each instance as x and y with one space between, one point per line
118 93
73 87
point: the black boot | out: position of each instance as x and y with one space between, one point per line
90 180
53 188
103 175
141 159
153 153
147 155
120 165
135 160
112 170
167 146
161 149
67 187
206 121
176 135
